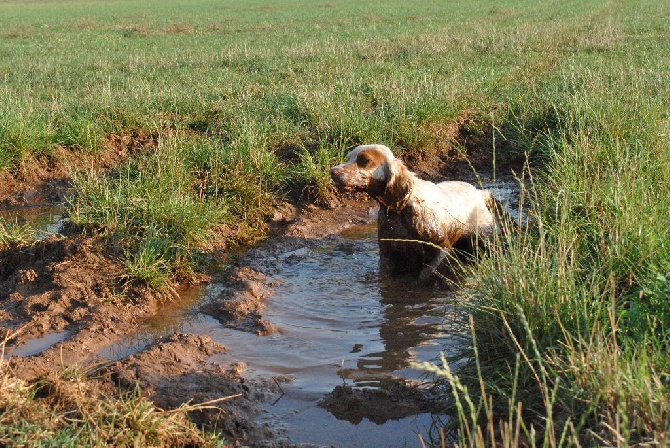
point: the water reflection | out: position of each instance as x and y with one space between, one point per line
45 219
413 326
173 316
332 309
38 345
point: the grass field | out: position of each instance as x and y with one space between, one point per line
251 101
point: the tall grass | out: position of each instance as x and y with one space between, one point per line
329 77
572 316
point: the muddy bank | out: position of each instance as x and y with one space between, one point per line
177 370
64 302
48 179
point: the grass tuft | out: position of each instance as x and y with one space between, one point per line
13 234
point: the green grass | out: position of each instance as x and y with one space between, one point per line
334 75
254 100
165 206
13 234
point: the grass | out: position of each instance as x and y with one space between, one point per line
252 101
64 409
571 319
13 234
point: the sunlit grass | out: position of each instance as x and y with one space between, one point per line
253 100
571 328
13 234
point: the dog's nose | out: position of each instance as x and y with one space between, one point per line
334 170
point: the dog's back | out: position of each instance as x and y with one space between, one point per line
468 206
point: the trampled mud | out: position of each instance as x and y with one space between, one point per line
318 347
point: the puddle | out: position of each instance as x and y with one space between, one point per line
38 345
337 324
44 218
177 316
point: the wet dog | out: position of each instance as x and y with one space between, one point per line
419 221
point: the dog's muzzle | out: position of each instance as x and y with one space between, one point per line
339 177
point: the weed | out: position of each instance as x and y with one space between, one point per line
14 234
149 263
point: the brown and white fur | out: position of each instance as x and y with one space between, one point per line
413 211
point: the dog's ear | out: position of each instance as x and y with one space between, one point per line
398 179
379 180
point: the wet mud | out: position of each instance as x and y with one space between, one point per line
300 335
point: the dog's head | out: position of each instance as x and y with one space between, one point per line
368 168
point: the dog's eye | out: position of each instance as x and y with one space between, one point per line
362 160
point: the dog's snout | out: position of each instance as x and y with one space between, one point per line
335 171
339 176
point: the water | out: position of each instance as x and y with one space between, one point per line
44 218
338 323
38 345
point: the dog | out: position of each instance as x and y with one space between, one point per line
419 222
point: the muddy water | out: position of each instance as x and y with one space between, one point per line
44 218
338 323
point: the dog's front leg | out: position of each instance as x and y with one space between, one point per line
386 261
427 272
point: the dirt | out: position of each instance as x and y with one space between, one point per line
74 284
48 179
378 405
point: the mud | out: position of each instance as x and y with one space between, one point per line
48 179
176 370
63 302
378 405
